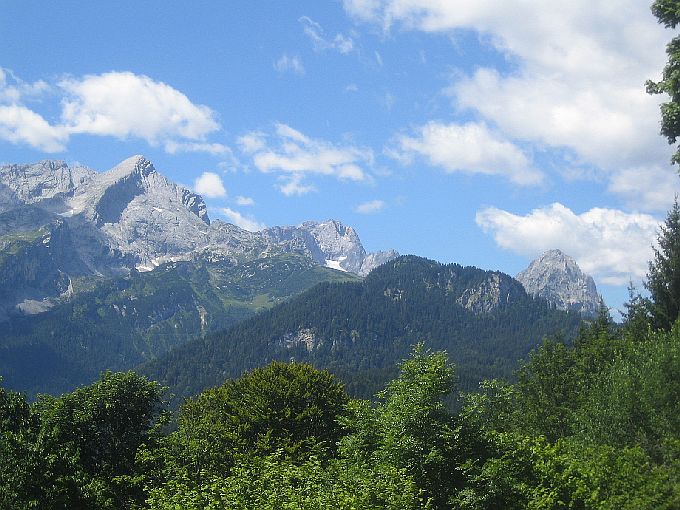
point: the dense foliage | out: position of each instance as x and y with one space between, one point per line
589 426
359 331
79 450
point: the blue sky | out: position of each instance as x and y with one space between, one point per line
483 133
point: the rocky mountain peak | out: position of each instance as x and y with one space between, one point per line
138 165
329 243
556 277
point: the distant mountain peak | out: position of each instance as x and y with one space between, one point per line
332 244
556 277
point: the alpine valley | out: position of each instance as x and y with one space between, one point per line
121 269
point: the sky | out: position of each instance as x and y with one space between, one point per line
482 133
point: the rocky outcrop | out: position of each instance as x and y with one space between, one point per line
557 278
491 294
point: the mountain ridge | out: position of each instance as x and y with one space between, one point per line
361 330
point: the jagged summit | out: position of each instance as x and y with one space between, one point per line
332 244
556 277
135 164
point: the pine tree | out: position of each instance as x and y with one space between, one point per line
663 278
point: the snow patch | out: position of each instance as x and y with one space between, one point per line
335 264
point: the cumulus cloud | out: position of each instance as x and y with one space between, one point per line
244 201
20 125
245 222
370 207
609 244
288 63
578 74
294 155
122 105
210 184
252 142
604 125
470 148
315 32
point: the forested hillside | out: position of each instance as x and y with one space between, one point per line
360 330
116 323
593 426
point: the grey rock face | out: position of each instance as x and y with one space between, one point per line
329 243
37 267
494 292
373 260
43 181
133 217
557 278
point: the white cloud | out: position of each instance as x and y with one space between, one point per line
578 72
470 148
287 63
293 186
651 187
21 125
289 152
244 201
609 244
18 124
370 207
124 105
341 43
217 149
13 89
351 87
252 142
210 184
118 104
245 222
607 125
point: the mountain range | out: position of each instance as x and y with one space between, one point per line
59 223
108 270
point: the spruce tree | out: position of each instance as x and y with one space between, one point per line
663 278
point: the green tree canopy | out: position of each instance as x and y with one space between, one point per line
663 278
668 14
90 439
283 406
410 428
